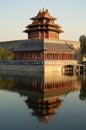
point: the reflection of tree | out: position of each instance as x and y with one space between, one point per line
6 83
82 94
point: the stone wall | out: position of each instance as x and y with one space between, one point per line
47 66
56 66
22 68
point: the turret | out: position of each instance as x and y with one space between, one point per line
43 26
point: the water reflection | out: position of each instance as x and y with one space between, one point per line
82 94
43 92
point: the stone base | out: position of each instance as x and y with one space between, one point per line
47 67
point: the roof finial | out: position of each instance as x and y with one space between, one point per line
41 10
46 10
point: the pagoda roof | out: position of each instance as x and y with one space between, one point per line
49 28
43 24
43 21
43 14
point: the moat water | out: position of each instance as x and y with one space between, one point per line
42 102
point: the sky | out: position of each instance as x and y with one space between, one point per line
16 14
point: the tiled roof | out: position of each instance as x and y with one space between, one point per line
30 45
34 45
9 45
57 47
23 45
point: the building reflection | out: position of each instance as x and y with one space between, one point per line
43 92
43 108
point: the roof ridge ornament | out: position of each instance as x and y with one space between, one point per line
41 10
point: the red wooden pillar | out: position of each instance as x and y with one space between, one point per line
61 57
43 34
28 55
48 35
45 56
34 55
41 56
16 56
54 56
39 34
13 55
72 56
58 56
67 56
20 55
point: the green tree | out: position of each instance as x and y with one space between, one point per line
7 55
82 40
1 52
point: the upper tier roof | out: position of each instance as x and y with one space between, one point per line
43 21
43 14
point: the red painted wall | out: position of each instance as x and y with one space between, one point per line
43 34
